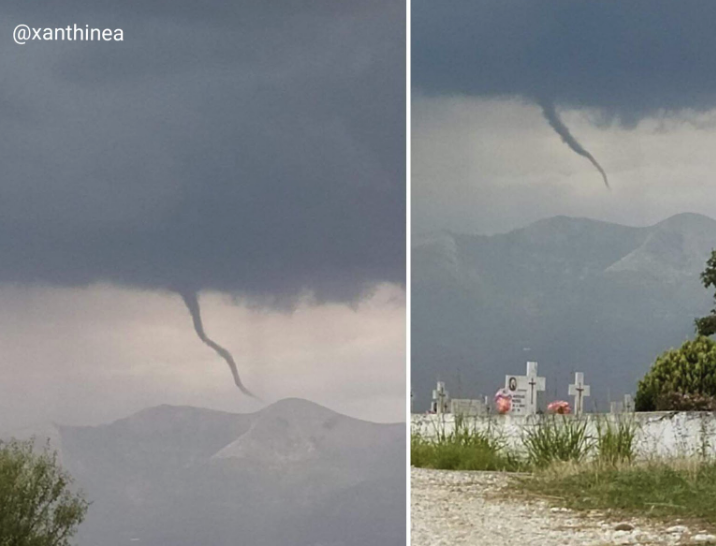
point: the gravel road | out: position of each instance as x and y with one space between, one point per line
474 508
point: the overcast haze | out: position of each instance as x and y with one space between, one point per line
491 165
249 153
633 81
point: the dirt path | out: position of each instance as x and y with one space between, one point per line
473 508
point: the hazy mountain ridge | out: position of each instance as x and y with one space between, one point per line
184 476
572 293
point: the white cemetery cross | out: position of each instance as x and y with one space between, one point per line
536 384
579 390
524 389
628 403
440 397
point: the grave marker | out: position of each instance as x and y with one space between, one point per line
440 399
524 389
579 390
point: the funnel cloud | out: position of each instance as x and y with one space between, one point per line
552 117
192 303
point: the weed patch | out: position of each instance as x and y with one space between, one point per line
557 438
615 441
464 448
665 489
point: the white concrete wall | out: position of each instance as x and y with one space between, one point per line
658 434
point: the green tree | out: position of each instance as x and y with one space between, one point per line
37 507
681 379
706 326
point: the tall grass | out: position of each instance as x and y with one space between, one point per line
551 439
463 448
557 438
616 441
613 479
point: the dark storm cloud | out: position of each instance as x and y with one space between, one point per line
629 59
255 148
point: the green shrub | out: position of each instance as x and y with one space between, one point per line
681 379
37 505
706 326
676 401
557 438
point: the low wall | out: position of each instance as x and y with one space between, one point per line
662 434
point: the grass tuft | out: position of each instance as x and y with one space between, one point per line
664 489
557 438
464 448
616 441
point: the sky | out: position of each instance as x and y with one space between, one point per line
248 152
633 82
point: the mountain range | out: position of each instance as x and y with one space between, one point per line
572 294
293 473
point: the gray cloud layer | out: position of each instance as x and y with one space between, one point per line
232 146
628 59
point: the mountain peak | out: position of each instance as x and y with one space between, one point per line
294 429
167 415
562 221
675 249
688 221
299 409
293 403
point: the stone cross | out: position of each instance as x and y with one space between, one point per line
579 390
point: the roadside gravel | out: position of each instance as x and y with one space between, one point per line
474 508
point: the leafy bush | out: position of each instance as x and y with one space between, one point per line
37 507
677 401
681 379
557 438
706 326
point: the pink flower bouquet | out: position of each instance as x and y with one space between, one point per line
503 401
559 407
